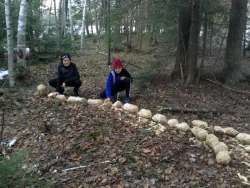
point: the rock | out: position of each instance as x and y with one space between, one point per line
114 170
244 138
220 146
160 130
41 90
219 129
231 131
122 160
159 118
144 113
172 122
61 98
223 157
53 94
183 126
201 124
130 108
95 102
107 103
199 133
117 104
212 140
247 148
73 99
143 120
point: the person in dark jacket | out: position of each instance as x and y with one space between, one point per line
67 76
119 79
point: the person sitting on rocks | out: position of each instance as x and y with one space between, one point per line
118 80
68 75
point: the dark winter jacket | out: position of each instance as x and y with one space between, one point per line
66 74
114 79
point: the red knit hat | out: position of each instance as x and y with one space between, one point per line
116 64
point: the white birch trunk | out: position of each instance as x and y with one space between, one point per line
71 20
63 17
10 44
83 22
21 32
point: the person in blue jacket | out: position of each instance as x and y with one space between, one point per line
118 80
68 75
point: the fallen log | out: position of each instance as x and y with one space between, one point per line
190 110
228 88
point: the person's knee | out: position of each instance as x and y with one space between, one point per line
75 83
52 83
78 83
127 81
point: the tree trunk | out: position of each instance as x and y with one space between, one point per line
97 22
62 18
50 9
10 44
117 24
183 40
71 21
204 46
211 25
193 46
83 22
21 36
57 27
109 32
232 69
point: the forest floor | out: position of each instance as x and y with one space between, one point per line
116 149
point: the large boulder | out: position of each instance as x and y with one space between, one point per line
231 131
144 113
244 138
41 90
212 140
131 108
173 122
182 126
201 124
159 118
77 100
223 158
199 133
95 102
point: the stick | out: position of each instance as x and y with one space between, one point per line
84 166
187 110
228 88
2 126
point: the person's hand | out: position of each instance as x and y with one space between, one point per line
123 78
63 85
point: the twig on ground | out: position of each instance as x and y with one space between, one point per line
84 166
2 125
187 110
228 88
